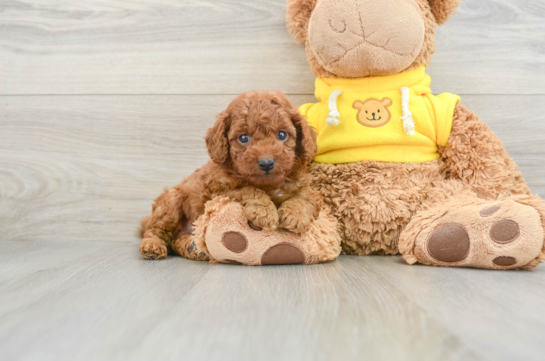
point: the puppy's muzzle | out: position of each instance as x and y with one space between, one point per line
266 165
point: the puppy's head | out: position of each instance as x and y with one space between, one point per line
262 138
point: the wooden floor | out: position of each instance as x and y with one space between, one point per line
100 301
105 102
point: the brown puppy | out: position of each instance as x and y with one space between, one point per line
260 149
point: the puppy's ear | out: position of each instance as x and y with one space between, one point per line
306 137
216 138
443 9
298 14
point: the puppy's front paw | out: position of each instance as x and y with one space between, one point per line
262 215
153 248
294 219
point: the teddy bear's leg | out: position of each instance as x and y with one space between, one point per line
225 233
491 221
470 232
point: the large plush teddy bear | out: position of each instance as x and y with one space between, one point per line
405 171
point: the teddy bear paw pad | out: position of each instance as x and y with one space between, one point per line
449 243
283 253
503 261
235 242
500 236
505 231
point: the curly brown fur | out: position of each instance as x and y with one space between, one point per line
374 201
234 171
475 155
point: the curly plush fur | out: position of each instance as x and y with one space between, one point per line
235 172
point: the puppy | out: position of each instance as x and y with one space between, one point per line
260 148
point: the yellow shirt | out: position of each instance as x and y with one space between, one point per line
369 126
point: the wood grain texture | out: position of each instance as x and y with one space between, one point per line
101 301
86 168
230 46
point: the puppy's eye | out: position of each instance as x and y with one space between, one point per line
282 136
244 139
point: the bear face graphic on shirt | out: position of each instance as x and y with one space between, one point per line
373 113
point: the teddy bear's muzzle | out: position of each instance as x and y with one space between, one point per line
359 38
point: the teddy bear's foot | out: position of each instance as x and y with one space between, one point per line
239 243
501 235
230 238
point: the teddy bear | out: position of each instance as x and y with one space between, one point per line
403 170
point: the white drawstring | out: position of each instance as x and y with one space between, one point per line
334 115
407 117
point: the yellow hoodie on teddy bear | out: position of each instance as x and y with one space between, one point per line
389 119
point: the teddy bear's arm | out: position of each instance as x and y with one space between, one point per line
477 157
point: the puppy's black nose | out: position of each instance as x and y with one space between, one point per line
266 164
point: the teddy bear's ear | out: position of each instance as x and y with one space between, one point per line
386 102
298 14
357 105
443 9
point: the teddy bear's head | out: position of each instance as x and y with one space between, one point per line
362 38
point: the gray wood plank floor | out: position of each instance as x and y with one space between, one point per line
100 300
103 103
